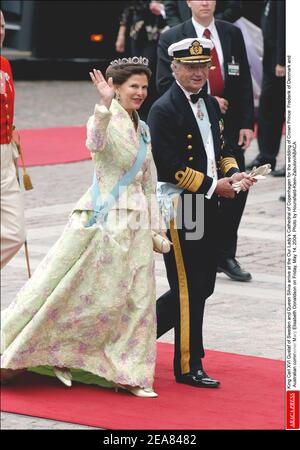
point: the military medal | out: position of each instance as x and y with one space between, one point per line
200 114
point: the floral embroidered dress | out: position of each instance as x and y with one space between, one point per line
90 304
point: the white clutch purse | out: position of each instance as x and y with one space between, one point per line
160 243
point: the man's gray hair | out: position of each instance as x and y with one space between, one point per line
175 64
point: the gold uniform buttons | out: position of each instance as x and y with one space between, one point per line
7 116
191 158
189 147
6 106
189 136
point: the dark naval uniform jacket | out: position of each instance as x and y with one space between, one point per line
181 159
240 114
177 144
237 89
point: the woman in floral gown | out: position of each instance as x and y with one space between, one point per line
89 308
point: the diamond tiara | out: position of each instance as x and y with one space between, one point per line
134 60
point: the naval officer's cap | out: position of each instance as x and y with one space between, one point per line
192 50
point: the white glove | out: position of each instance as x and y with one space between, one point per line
258 173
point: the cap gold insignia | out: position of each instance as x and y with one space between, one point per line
196 49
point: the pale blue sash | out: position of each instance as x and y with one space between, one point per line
166 192
102 207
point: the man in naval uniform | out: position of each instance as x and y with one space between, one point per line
12 209
192 157
230 83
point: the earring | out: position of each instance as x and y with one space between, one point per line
117 96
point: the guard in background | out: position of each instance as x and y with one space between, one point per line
271 113
12 208
143 21
179 11
191 153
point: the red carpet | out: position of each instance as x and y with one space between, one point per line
53 145
46 146
251 397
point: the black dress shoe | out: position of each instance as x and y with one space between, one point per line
198 379
231 267
279 172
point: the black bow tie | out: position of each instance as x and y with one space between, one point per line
202 94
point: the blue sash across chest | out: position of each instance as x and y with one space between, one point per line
102 207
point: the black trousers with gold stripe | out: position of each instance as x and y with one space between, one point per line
191 270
